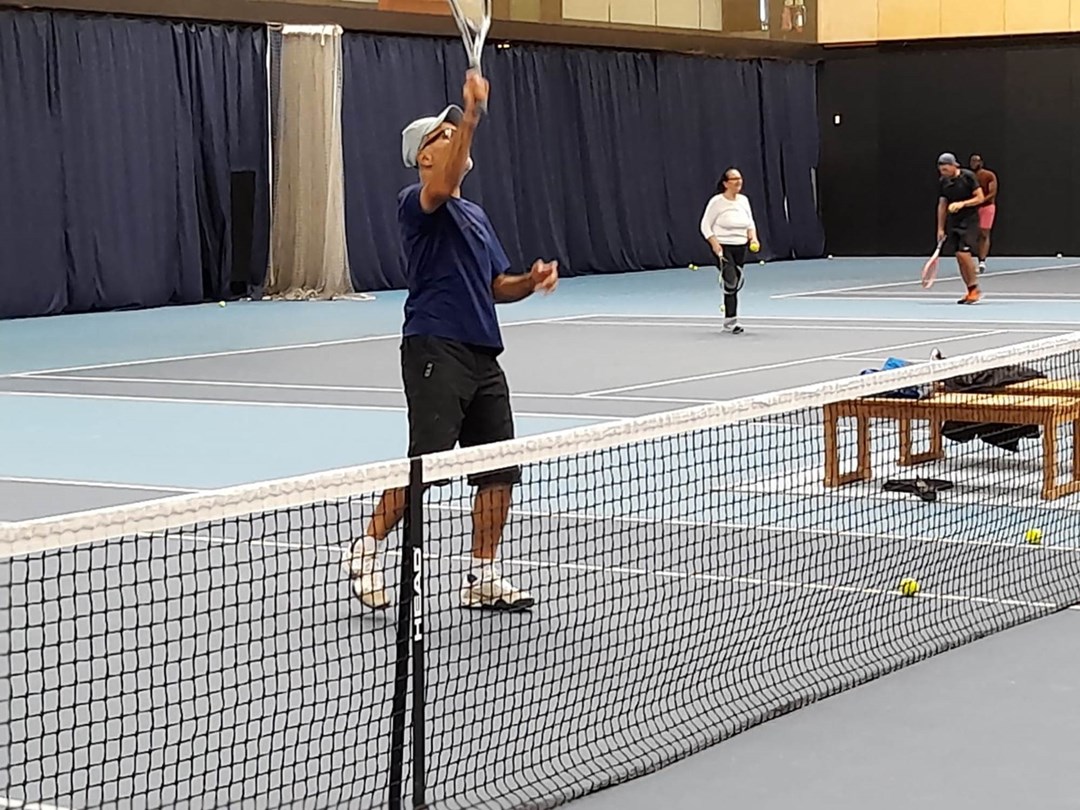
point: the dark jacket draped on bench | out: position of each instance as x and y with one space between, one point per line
1007 437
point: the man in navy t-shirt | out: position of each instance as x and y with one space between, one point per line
456 391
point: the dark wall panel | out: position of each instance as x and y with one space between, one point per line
1039 172
848 189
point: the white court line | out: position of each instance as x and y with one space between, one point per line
70 482
593 517
1017 296
360 389
655 573
636 317
352 389
785 364
988 298
267 349
254 403
17 804
913 283
869 327
771 528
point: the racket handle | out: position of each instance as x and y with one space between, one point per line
483 105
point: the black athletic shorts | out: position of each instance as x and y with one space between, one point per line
962 237
457 394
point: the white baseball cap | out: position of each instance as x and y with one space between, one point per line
414 135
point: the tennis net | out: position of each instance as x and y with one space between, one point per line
696 573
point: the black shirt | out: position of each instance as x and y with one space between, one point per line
960 189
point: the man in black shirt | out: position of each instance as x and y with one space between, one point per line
958 220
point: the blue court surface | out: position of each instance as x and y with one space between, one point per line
104 409
249 392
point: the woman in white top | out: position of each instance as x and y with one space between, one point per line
729 226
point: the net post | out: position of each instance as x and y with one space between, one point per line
414 532
404 647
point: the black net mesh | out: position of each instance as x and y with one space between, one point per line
693 574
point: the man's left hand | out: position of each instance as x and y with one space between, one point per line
545 276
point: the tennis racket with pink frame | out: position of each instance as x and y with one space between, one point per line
929 271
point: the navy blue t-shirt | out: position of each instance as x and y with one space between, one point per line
452 255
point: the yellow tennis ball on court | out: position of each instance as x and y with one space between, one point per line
762 262
221 303
1034 536
693 267
909 586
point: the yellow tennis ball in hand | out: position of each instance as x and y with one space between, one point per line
1034 536
754 247
909 586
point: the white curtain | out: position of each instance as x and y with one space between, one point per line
308 254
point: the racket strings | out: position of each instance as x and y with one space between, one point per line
475 15
473 18
475 12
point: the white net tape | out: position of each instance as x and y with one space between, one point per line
158 516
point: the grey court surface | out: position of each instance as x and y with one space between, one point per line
989 725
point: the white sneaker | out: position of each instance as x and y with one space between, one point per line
488 590
368 583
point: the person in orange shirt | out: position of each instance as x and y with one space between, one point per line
988 210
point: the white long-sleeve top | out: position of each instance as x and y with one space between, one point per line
728 220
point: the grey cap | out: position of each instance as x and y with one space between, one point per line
413 136
947 159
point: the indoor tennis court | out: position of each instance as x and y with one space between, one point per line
224 397
790 515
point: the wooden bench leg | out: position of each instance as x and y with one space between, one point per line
1076 450
908 456
1071 486
834 477
1050 488
936 444
864 472
832 446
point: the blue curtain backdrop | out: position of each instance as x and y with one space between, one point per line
118 138
601 159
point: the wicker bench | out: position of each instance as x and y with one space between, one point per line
1049 412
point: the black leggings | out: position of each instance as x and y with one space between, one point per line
731 276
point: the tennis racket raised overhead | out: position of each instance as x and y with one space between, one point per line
929 271
473 18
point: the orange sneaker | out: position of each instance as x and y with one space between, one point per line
973 296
